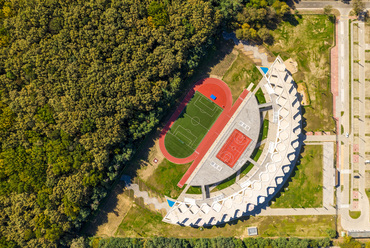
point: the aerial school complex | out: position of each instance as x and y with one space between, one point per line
221 139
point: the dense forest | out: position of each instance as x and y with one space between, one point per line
81 83
258 17
220 242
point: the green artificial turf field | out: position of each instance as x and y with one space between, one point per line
191 126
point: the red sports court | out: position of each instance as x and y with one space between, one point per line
233 148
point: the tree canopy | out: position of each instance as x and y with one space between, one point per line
259 242
81 83
257 17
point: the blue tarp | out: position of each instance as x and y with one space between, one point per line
213 97
265 69
170 203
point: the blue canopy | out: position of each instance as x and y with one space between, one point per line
264 69
170 203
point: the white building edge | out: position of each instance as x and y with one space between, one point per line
279 158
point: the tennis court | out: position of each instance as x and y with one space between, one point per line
191 126
233 148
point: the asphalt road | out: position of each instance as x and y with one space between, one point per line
345 196
322 4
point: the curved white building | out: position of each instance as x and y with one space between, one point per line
282 147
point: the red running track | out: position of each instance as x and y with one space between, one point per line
207 87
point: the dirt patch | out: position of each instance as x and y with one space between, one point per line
220 69
148 166
241 73
319 68
111 214
250 54
270 56
115 217
303 92
291 65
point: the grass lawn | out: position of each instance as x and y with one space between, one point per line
191 126
354 214
226 183
257 155
298 226
265 128
260 97
165 178
246 168
241 73
309 44
194 190
141 222
305 187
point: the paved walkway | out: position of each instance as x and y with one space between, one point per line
321 138
342 7
297 211
328 174
144 194
147 199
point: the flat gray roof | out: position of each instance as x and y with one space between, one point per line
252 231
359 234
247 121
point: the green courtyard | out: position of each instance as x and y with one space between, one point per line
304 190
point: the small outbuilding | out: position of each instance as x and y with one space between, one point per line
252 231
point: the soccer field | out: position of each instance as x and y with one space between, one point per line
191 126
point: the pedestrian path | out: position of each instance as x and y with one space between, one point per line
328 174
321 138
297 211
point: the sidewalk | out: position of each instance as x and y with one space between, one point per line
297 211
321 138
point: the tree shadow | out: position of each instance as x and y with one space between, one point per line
332 18
291 19
100 216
